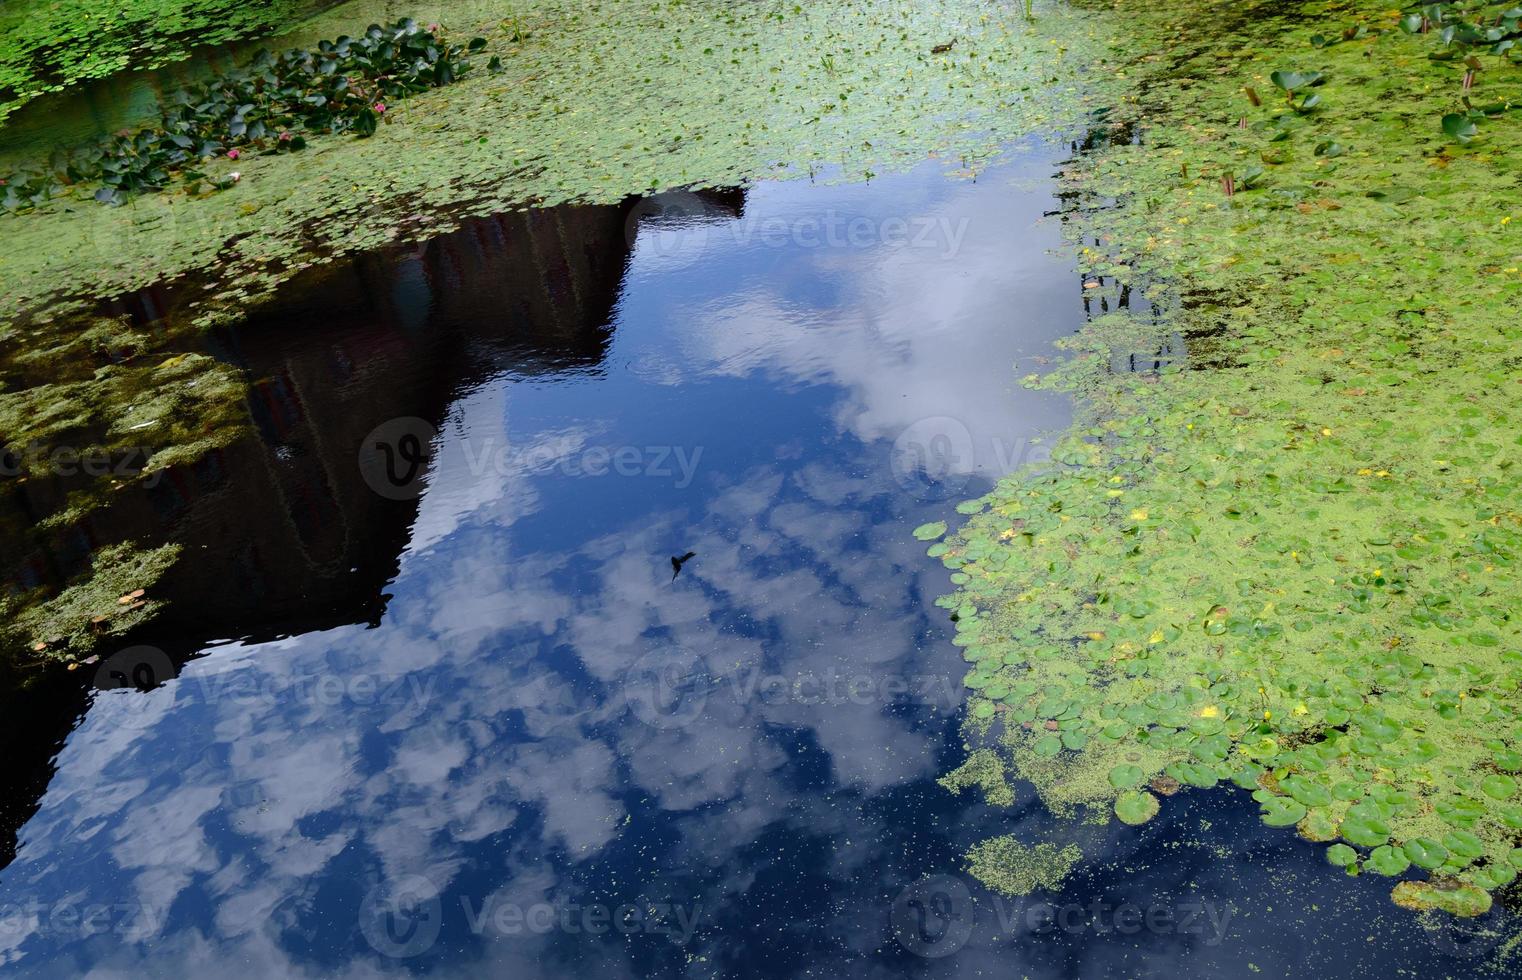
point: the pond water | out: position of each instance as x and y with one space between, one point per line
562 617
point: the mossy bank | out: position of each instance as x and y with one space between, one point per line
1289 559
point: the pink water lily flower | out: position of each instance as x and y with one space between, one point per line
233 154
380 107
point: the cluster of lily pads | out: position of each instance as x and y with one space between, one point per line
1465 31
271 106
1292 572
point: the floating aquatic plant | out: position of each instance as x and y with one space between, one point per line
271 107
1290 570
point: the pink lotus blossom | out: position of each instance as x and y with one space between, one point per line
380 107
233 154
284 136
235 176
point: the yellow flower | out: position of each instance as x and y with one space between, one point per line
1326 432
1267 715
1156 637
1139 514
1210 711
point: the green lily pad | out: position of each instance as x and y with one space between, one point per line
1364 828
1126 776
1388 860
1425 853
1281 811
1464 844
1499 787
1459 900
931 531
1135 807
1342 855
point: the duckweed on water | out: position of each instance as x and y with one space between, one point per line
1293 566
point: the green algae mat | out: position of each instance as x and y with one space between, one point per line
1290 561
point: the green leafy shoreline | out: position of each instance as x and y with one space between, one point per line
1293 563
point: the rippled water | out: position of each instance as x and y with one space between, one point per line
450 697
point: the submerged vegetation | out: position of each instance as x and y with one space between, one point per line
270 107
49 45
1290 564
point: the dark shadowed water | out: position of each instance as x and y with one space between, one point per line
439 699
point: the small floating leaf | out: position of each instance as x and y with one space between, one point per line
1135 807
1126 776
1281 811
1342 855
1425 852
931 531
1388 860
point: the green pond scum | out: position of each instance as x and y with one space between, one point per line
1287 561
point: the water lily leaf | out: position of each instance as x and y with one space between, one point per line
1341 855
1388 860
1459 126
1463 844
1499 787
1364 829
1135 807
1306 791
931 531
1463 900
1047 746
1281 811
1290 81
1425 853
1126 776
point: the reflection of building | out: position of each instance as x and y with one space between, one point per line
280 531
299 541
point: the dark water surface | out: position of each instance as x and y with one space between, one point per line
464 716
